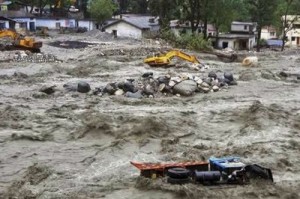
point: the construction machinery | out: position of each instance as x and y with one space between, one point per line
165 59
19 41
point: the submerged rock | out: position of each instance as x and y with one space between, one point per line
47 89
267 74
137 95
247 75
147 74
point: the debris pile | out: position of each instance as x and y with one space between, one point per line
218 171
27 56
183 85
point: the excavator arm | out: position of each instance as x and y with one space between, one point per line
20 41
165 59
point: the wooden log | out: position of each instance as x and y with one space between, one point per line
224 56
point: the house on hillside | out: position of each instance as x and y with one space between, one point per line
178 27
241 37
133 26
23 20
268 32
293 36
4 5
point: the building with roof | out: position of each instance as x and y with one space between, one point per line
268 32
185 27
133 26
23 20
293 35
4 5
241 37
6 23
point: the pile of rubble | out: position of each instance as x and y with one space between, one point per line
27 56
148 87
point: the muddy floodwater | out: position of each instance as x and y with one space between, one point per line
79 146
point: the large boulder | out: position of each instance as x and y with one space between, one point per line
229 76
185 88
83 87
71 86
110 88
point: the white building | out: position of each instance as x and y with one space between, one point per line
241 37
133 26
60 22
268 32
178 27
55 23
293 35
23 20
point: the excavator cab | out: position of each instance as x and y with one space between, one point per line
21 42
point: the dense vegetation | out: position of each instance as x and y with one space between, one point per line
220 13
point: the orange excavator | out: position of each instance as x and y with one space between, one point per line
165 59
20 42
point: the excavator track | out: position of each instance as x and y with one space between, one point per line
12 48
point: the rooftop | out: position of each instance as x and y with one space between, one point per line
242 23
15 14
139 21
236 36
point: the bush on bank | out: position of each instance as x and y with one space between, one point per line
186 40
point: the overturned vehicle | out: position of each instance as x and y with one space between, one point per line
226 170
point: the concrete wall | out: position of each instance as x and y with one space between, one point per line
293 37
55 23
224 40
236 43
266 34
4 24
26 21
89 25
242 27
125 30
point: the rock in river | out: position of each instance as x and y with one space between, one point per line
137 95
185 88
83 87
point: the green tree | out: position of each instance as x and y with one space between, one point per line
138 6
262 12
166 10
224 13
192 12
101 10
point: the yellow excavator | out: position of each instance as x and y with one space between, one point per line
165 59
20 42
